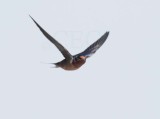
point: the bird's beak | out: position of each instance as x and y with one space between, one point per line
83 57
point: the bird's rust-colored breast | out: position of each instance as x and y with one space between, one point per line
70 66
78 64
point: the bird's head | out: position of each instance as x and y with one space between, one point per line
82 57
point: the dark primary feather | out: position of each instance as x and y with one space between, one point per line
63 50
94 47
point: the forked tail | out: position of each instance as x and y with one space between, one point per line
55 64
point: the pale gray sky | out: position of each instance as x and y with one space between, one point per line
121 81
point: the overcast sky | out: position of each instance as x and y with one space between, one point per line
120 81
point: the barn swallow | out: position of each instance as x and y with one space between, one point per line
73 62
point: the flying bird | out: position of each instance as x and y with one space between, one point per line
73 62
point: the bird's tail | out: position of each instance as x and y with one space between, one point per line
55 64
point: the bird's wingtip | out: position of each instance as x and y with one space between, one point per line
31 17
107 33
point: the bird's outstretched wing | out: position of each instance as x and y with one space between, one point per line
94 47
63 50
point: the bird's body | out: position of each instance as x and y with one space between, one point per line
73 62
73 65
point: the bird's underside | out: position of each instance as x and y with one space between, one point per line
69 66
73 62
